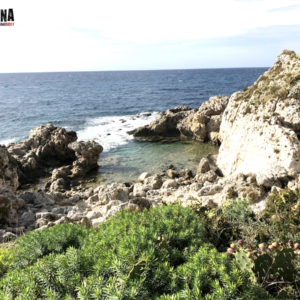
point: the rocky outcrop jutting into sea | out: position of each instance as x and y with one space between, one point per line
47 148
204 123
183 122
165 125
44 149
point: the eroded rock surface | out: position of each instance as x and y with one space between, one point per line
260 126
45 148
87 154
48 150
201 124
165 125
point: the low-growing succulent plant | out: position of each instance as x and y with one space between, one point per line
161 253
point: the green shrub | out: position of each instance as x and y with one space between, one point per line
158 253
226 224
5 260
145 247
212 275
39 243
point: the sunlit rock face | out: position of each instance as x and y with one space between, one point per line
200 124
260 128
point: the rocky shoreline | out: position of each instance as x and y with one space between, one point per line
183 122
258 131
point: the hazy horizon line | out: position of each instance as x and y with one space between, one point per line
134 70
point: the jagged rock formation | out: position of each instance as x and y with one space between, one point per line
165 125
87 154
45 148
203 124
183 122
260 128
33 210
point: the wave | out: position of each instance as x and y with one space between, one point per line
6 142
111 132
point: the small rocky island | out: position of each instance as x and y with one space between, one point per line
257 129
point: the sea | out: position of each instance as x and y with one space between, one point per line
106 105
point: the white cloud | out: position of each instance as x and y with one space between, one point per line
117 34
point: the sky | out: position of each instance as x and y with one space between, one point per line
96 35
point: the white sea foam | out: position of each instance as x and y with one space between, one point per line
6 142
111 132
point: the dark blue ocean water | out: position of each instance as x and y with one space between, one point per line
105 105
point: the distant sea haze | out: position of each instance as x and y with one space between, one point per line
105 105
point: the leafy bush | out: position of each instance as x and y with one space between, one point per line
161 253
283 215
267 244
226 224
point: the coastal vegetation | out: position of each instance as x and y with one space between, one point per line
276 83
167 252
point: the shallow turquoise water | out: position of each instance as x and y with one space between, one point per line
128 162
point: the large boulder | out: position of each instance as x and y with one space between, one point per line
46 147
165 125
204 124
201 124
9 170
51 148
260 128
113 191
87 154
